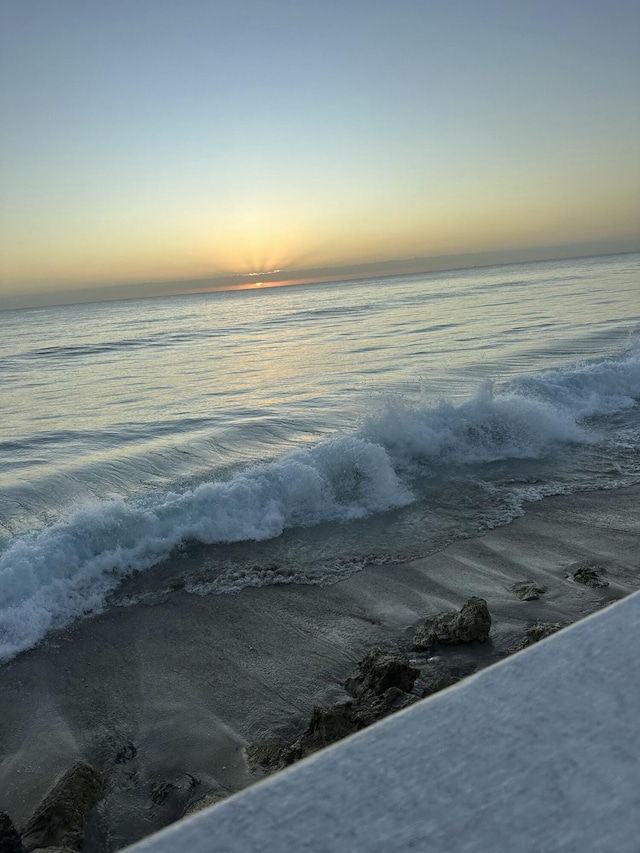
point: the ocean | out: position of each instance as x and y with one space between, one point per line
293 435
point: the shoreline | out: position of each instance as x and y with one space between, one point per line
184 685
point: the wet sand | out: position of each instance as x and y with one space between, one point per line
164 697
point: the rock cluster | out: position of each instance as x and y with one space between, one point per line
379 685
450 628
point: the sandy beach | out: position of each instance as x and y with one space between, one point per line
164 697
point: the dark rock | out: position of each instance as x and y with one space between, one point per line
60 819
378 672
539 631
471 624
527 591
9 838
589 576
474 622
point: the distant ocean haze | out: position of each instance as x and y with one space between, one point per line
290 435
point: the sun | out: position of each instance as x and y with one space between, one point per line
258 284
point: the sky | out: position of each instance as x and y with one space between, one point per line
152 146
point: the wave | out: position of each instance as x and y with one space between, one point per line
487 428
524 421
588 390
65 572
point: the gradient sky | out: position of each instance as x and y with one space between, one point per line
178 139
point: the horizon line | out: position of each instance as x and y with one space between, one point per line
313 275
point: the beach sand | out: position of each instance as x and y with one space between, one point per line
164 697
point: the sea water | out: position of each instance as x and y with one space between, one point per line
215 441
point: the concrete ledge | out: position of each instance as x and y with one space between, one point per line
537 753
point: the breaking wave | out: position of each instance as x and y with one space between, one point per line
66 571
524 421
